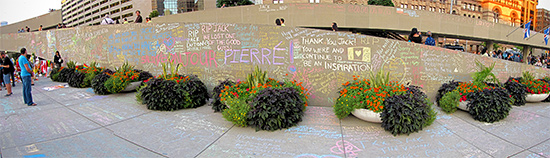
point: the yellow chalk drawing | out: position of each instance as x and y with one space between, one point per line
359 54
397 69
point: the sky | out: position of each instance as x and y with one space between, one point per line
14 11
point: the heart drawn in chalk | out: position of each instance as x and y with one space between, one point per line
169 43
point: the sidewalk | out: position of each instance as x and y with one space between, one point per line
71 122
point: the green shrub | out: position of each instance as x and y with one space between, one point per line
76 79
517 90
449 102
54 74
98 83
446 88
490 104
65 75
274 109
217 105
177 93
196 89
407 113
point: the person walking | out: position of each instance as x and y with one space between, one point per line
415 36
26 75
8 69
57 59
138 18
429 41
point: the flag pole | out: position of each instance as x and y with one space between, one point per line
515 30
538 32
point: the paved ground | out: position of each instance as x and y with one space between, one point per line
71 122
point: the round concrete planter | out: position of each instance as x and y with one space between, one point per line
533 98
463 105
132 86
367 115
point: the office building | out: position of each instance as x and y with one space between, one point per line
543 19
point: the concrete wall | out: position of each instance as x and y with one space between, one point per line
47 20
322 60
368 16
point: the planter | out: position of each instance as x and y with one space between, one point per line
132 86
533 98
367 115
463 105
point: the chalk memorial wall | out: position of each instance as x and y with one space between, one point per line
321 60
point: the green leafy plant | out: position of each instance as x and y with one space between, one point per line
54 74
65 74
481 76
449 102
76 79
71 65
490 104
174 93
98 82
365 94
274 109
217 105
407 113
241 99
91 72
446 88
257 77
380 78
168 68
517 90
527 76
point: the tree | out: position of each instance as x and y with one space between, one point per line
381 2
153 14
229 3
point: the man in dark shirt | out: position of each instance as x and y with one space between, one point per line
138 19
8 69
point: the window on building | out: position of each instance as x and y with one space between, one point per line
171 5
126 8
317 1
277 1
401 4
406 5
423 7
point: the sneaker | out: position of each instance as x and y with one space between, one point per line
33 104
7 95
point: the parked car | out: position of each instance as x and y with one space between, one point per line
454 47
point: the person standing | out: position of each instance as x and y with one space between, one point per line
125 21
40 28
415 36
57 59
334 26
283 22
26 75
8 69
429 41
138 18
